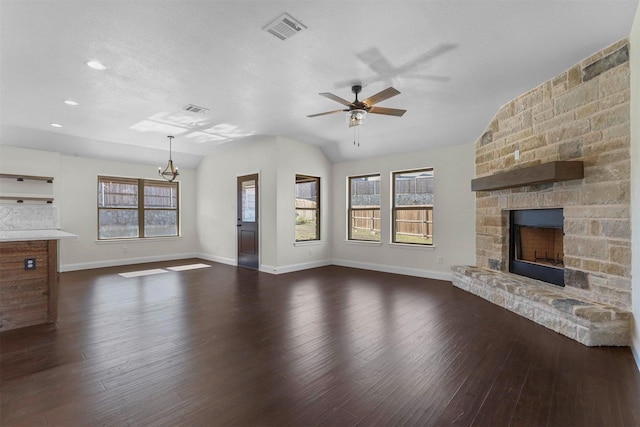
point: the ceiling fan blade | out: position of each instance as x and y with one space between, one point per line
335 98
381 96
324 114
387 111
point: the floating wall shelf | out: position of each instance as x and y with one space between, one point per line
20 199
49 179
539 174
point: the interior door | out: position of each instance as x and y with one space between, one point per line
247 225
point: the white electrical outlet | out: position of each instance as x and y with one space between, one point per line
517 154
440 260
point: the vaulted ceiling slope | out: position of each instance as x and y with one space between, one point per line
454 62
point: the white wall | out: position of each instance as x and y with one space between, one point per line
635 181
22 161
296 158
454 214
277 160
78 215
75 195
216 193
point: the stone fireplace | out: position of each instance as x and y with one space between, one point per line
579 118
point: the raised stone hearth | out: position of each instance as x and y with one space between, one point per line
587 322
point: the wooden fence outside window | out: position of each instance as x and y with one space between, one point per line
410 222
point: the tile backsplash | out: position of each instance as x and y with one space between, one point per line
29 217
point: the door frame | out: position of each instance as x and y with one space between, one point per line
259 213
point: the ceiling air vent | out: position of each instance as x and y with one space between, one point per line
196 109
285 26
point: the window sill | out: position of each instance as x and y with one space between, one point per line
137 240
412 246
308 243
363 242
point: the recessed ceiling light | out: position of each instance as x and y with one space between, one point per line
71 102
96 65
56 125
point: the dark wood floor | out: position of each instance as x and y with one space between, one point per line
328 346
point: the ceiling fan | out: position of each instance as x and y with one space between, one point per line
358 109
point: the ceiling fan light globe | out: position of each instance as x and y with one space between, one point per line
356 117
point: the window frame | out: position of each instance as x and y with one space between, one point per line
141 209
426 208
351 209
302 178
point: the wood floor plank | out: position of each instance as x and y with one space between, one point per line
326 346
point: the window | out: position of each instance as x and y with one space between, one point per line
412 216
136 208
364 208
307 208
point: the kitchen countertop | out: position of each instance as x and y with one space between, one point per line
24 235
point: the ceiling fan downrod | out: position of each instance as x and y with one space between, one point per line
356 89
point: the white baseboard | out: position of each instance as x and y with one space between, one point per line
429 274
294 267
439 275
214 258
124 261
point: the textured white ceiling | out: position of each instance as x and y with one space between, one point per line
454 62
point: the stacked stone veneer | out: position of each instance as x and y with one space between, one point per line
582 114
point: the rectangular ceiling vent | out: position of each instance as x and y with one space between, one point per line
285 26
195 109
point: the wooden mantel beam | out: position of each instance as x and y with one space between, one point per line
532 175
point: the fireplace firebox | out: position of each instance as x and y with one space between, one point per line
535 244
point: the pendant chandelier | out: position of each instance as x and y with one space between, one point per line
170 172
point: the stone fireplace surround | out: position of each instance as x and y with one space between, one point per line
582 114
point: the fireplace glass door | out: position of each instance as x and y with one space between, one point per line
536 244
539 245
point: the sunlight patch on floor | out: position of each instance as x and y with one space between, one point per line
143 272
188 267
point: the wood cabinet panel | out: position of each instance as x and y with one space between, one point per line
13 268
28 297
8 248
16 292
27 314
